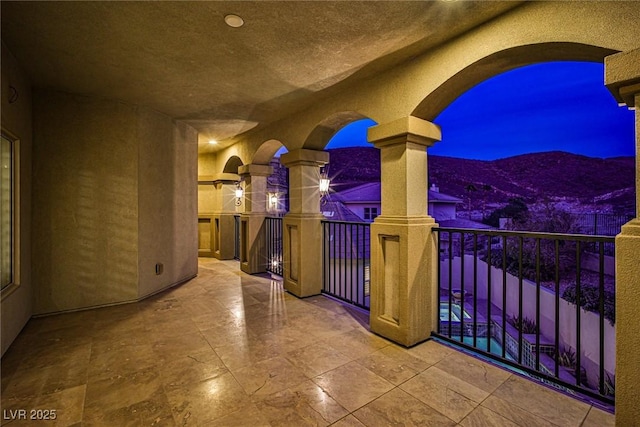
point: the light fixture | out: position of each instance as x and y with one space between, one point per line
273 200
234 21
239 193
324 185
213 142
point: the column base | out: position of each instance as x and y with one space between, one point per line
627 324
302 235
404 288
252 244
223 236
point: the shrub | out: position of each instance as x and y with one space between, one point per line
590 300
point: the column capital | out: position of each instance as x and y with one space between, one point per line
406 129
622 76
255 170
305 157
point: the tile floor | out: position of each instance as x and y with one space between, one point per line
229 349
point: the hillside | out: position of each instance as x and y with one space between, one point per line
553 176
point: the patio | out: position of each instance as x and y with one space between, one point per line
231 349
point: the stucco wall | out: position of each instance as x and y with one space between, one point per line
16 119
167 193
85 162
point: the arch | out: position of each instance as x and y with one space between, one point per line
266 151
323 131
500 62
232 165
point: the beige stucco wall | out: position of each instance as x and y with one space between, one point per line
86 224
533 32
16 304
116 194
167 194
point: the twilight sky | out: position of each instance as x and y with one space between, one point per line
554 106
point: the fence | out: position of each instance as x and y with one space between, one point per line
273 242
512 296
345 261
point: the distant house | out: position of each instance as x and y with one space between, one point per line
364 203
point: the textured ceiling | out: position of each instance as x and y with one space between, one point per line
181 59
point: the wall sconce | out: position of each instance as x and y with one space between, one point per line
273 200
323 185
239 193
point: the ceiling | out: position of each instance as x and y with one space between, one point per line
180 58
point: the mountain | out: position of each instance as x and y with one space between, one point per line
549 176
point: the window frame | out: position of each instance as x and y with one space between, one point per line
14 282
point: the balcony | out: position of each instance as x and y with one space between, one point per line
229 348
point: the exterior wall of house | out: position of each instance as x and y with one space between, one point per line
16 306
167 210
442 211
108 211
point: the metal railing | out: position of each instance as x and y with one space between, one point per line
273 243
345 261
603 224
535 301
236 240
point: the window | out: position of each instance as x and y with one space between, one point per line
370 213
8 204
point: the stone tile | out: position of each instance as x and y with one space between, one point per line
514 413
304 404
121 391
393 364
483 417
15 411
249 415
67 403
431 351
209 400
399 408
269 376
448 395
316 359
474 371
357 343
172 347
599 418
348 421
542 402
191 369
109 360
57 355
153 411
353 385
49 379
240 354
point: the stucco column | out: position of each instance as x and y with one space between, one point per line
404 289
224 210
622 77
302 230
252 239
206 207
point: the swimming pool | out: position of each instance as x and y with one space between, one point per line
455 312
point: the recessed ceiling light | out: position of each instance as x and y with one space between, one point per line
234 21
213 142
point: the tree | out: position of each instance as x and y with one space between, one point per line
516 209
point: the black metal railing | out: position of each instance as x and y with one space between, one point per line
273 242
345 261
236 239
535 301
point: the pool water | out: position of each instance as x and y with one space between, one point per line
455 312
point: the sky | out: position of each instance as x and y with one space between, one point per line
553 106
